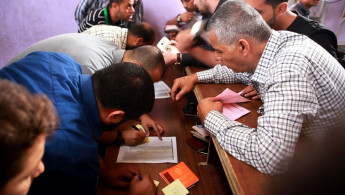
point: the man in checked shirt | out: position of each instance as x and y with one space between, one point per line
300 83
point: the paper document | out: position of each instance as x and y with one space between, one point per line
161 90
230 109
175 188
156 151
228 96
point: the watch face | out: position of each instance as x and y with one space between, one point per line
178 18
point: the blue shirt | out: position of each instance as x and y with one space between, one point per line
71 155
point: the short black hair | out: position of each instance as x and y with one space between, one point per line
124 86
274 3
142 30
116 1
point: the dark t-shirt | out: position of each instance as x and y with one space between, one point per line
317 32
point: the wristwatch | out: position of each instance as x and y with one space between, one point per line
178 59
119 140
178 18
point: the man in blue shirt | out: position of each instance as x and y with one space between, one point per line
85 105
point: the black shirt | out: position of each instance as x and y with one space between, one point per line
317 32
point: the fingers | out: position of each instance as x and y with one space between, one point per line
249 88
256 97
159 131
175 89
120 183
140 134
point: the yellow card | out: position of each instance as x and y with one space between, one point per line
175 188
156 182
139 126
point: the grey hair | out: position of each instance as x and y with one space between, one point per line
236 19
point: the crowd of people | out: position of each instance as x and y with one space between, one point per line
61 94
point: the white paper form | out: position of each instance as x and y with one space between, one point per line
161 90
156 151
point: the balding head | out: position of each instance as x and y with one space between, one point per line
150 58
140 34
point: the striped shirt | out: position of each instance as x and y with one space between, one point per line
86 6
114 34
97 17
302 88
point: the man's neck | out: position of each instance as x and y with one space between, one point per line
284 21
112 14
213 6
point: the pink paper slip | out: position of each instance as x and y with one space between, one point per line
228 96
230 109
234 111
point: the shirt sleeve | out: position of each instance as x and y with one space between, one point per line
223 74
81 10
289 99
93 18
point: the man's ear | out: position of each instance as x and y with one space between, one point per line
138 41
280 9
115 116
243 47
114 5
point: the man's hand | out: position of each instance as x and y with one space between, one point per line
185 41
169 58
147 122
187 16
182 86
142 187
119 176
206 105
249 91
133 137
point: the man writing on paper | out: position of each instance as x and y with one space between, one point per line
87 106
94 53
299 82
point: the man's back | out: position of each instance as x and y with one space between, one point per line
91 52
71 155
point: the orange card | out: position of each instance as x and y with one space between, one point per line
181 172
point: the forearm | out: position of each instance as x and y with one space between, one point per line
222 74
172 22
108 137
205 56
264 148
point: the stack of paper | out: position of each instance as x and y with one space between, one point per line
161 90
200 133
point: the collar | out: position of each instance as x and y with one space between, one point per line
219 4
266 58
305 11
90 105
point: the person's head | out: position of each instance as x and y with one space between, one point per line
238 34
150 58
121 10
206 7
123 91
310 3
317 167
140 34
25 122
270 10
189 5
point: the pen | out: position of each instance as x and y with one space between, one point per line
136 128
140 177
